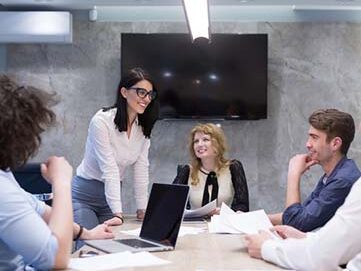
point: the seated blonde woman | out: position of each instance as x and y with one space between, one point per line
210 175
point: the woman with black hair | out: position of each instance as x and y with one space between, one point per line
118 137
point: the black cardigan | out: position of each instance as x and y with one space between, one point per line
240 200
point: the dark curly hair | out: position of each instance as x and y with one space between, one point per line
24 114
334 123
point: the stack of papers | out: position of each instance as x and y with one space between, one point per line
182 231
200 212
116 260
231 222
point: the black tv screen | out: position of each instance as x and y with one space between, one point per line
226 78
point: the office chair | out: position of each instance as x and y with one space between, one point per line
30 179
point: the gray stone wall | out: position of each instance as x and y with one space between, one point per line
311 66
2 57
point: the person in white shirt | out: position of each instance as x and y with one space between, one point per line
33 234
336 243
118 137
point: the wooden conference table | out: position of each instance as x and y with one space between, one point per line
204 251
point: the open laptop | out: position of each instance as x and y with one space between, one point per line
161 223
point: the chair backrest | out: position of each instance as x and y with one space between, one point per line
30 179
179 168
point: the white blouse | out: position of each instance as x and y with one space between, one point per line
225 189
107 154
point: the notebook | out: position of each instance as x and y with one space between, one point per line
161 223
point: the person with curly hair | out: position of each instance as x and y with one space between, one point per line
33 234
210 175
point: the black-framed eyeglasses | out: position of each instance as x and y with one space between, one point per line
142 93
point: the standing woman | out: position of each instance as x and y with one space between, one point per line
210 175
118 137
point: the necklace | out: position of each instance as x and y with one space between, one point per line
205 172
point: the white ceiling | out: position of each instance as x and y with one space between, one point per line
87 4
220 10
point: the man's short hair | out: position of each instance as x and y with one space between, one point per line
334 123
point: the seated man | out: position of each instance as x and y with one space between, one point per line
330 136
338 242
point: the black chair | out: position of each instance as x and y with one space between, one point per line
30 179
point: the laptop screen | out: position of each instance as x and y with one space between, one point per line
164 213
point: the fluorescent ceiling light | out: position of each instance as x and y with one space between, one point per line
197 14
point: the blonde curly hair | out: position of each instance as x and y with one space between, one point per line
219 144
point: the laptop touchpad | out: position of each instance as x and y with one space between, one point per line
135 243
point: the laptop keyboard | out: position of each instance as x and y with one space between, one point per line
136 243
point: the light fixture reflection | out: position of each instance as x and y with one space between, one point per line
197 14
213 77
197 81
167 74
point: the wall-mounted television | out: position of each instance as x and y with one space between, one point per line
223 79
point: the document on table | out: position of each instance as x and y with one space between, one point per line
250 270
203 211
183 231
116 260
231 222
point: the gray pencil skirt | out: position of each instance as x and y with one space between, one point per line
89 202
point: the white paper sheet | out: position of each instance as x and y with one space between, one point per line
246 270
225 210
116 260
203 211
230 222
218 226
251 222
182 231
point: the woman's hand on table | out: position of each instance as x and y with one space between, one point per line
116 220
140 214
101 231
